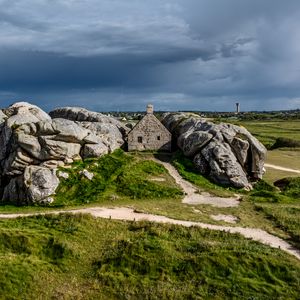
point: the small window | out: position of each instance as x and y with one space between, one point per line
158 137
140 139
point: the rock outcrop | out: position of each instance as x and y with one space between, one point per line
33 146
226 153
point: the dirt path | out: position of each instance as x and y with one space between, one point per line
193 195
128 214
282 168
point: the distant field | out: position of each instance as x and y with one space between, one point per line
268 131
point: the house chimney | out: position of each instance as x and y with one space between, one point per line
149 109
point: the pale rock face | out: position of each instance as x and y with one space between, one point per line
33 146
227 153
94 150
108 134
62 174
82 115
52 164
40 184
87 174
23 112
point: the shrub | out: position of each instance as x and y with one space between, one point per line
285 143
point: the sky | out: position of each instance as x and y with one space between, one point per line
119 55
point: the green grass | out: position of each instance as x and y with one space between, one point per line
265 192
285 216
288 158
79 257
117 175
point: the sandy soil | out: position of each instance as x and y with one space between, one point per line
282 168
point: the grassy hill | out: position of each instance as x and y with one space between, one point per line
79 257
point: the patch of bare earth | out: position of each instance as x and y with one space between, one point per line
226 218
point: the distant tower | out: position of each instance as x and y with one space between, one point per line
237 107
149 109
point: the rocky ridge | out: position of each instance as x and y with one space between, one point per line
226 153
33 145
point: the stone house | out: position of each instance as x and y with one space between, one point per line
149 134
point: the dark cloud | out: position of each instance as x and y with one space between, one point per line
179 54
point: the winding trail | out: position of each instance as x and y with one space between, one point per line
282 168
128 214
193 196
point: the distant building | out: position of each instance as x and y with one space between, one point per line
149 134
237 108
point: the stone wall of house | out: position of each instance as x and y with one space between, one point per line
149 134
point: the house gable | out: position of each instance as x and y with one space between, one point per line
149 134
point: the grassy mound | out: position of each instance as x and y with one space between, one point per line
79 257
116 175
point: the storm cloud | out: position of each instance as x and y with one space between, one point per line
178 54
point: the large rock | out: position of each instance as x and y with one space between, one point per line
23 112
82 115
3 116
40 184
33 146
108 130
227 153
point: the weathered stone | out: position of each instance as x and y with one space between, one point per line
62 174
3 116
201 164
68 131
32 147
58 150
40 184
87 174
23 112
5 136
94 150
82 115
231 152
109 134
192 141
240 148
52 164
29 143
16 162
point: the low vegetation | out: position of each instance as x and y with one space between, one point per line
79 257
118 175
284 216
